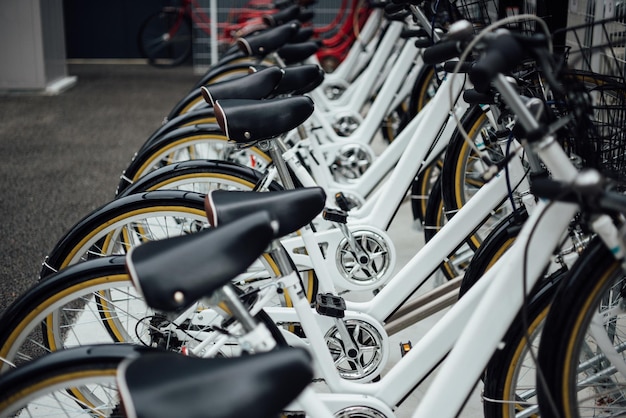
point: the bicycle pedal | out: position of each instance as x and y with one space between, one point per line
343 202
335 215
405 348
331 305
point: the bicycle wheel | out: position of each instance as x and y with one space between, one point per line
428 81
66 310
205 142
73 383
134 219
582 351
462 169
198 117
510 378
123 223
221 72
434 219
164 38
421 188
424 89
95 302
199 176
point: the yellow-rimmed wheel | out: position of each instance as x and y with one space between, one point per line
95 303
463 170
582 353
190 143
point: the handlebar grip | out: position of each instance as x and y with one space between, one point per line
546 188
449 66
423 43
471 96
442 51
502 55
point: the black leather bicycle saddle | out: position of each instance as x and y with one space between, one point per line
174 273
303 35
294 53
166 385
256 85
300 79
270 40
293 209
249 121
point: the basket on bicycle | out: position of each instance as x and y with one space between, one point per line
595 94
479 12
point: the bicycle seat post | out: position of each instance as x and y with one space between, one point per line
273 146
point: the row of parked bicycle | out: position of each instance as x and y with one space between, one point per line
244 222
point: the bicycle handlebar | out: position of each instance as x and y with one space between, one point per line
504 53
442 51
589 190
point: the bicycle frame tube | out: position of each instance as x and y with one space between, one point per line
380 211
539 236
369 125
421 266
359 54
359 91
470 326
428 258
389 160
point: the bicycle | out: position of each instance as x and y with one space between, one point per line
85 372
165 37
278 376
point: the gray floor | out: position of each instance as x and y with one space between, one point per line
63 156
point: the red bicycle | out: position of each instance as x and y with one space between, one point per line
165 37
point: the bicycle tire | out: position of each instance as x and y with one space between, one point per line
133 219
215 174
198 117
221 72
198 142
194 176
28 333
109 229
423 90
164 38
434 219
93 302
497 242
422 187
580 379
461 172
79 382
510 376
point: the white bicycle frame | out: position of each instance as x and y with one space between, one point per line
427 142
358 58
468 334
